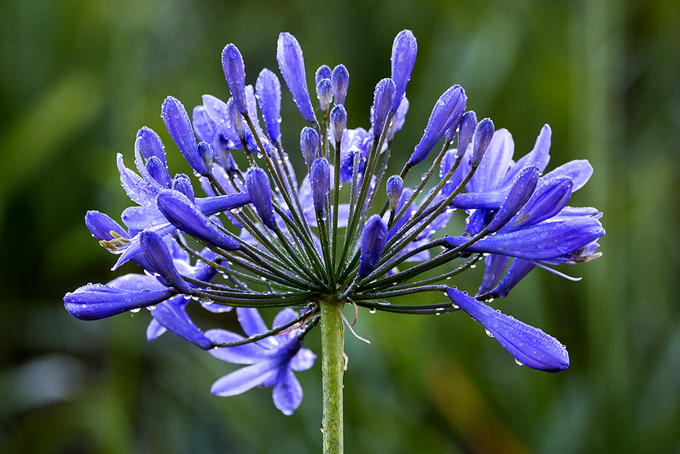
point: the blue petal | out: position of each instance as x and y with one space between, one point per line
494 163
303 360
495 265
547 201
539 156
517 271
252 325
101 226
579 171
154 330
530 346
287 392
205 127
240 354
172 316
136 282
96 301
540 242
177 122
244 379
136 188
218 204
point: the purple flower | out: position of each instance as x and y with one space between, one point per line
319 179
382 99
268 90
530 346
340 84
260 192
271 360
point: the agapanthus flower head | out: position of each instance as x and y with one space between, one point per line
341 233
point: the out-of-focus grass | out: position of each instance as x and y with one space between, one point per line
79 78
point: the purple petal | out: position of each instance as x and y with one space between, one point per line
539 156
136 282
287 392
530 346
101 226
154 330
240 354
244 379
218 204
303 360
172 316
205 127
579 171
539 242
177 122
494 164
517 271
136 188
495 265
252 325
548 200
285 316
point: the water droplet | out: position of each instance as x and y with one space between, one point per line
236 210
135 310
262 278
490 300
448 278
438 313
152 307
488 333
260 155
455 306
473 266
208 302
372 310
519 363
423 176
187 297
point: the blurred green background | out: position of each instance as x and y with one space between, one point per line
79 77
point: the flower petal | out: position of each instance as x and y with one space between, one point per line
287 392
244 379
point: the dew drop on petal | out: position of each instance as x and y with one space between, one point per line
488 333
372 310
135 310
519 363
152 307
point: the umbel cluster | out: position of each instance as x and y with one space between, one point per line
261 237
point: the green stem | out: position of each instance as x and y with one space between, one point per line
332 369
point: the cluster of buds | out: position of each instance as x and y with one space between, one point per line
269 241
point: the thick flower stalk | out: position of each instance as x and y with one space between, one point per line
313 245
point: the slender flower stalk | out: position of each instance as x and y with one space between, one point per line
271 239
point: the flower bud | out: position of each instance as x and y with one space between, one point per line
158 255
324 93
481 140
182 183
340 83
149 144
466 129
257 183
520 193
235 73
382 99
443 115
338 121
398 118
394 188
530 346
309 144
158 171
319 179
292 65
186 216
548 200
268 90
236 119
404 50
206 153
204 126
324 72
177 122
101 226
97 301
373 239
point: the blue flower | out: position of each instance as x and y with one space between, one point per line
271 360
